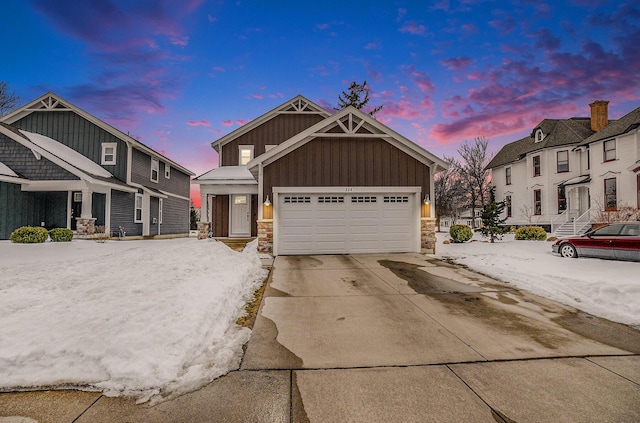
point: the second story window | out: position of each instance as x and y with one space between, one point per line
167 171
109 153
609 152
507 174
563 161
245 154
155 169
536 166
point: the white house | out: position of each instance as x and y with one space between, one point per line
568 171
465 218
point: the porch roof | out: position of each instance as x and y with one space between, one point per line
582 179
226 175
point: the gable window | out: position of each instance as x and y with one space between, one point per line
539 135
563 161
610 195
137 213
245 154
537 202
609 150
562 199
167 171
507 174
155 169
536 165
160 211
507 205
109 153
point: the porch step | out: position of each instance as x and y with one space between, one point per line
567 229
236 244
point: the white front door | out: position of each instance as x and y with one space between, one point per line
240 215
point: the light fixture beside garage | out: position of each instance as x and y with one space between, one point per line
426 199
267 202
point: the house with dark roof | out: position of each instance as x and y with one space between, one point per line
62 167
307 181
568 171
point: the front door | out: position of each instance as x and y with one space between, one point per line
76 209
240 215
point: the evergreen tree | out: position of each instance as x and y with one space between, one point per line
194 217
353 98
491 220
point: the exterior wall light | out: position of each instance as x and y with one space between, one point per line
267 202
426 199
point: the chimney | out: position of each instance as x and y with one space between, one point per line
599 114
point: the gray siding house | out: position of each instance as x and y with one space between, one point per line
62 167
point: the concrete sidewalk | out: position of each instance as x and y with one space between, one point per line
386 338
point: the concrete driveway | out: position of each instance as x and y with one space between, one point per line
395 338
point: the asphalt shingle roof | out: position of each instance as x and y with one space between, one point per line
625 124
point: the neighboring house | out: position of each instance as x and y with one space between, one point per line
465 218
306 181
62 167
569 170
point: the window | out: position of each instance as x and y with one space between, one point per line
109 153
610 195
167 171
562 199
609 152
536 165
155 169
332 199
363 199
588 159
245 154
160 211
396 199
507 174
537 202
539 135
137 214
507 205
563 161
293 200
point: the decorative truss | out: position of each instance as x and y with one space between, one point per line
49 103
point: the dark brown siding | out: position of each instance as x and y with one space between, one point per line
348 162
254 215
276 130
220 216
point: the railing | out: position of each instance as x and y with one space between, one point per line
582 220
563 217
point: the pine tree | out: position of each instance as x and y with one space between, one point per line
491 220
194 217
353 98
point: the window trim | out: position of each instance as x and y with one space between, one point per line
167 171
539 135
250 148
103 160
136 208
604 151
155 162
507 175
614 195
537 211
160 210
537 168
563 162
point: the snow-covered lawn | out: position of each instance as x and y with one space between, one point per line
141 318
605 288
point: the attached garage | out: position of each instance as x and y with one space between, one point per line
346 221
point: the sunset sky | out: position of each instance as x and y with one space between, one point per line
178 75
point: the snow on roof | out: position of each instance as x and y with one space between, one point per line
227 173
576 180
67 154
4 170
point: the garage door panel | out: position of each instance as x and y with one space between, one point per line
339 224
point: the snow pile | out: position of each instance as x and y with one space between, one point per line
141 318
605 288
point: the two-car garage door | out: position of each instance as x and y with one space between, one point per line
330 223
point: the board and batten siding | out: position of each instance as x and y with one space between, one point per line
98 205
122 213
22 161
19 208
274 131
178 182
175 216
78 133
154 208
346 162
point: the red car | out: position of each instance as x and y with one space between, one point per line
618 241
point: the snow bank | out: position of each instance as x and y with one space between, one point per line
610 289
141 318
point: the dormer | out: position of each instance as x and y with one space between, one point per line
539 135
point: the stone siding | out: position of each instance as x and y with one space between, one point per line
428 235
265 236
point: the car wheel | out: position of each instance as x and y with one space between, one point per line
568 250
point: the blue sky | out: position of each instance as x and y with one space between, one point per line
180 74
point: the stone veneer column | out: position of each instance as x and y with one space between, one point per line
85 226
265 236
203 230
428 235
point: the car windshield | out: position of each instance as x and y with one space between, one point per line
607 230
631 230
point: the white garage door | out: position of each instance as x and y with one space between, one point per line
346 223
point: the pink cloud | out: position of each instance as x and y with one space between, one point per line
242 121
456 63
372 46
257 96
226 123
413 28
198 123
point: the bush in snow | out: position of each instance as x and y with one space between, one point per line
460 233
29 235
61 234
531 233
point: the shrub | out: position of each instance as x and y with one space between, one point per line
61 234
460 233
531 233
29 235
